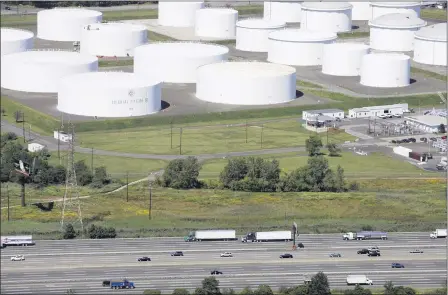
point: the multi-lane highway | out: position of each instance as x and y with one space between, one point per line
82 265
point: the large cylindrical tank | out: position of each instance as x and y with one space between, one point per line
112 39
361 10
246 83
178 14
216 23
176 62
65 24
252 34
343 59
108 94
40 71
288 12
298 47
386 70
430 45
382 8
327 16
15 40
394 32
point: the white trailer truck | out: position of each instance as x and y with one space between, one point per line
358 280
17 241
365 235
439 233
211 235
268 236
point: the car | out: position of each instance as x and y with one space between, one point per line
363 251
287 255
393 141
7 8
177 253
18 258
300 245
412 139
374 253
416 251
216 272
374 248
397 116
335 255
424 139
443 137
226 254
397 265
145 258
106 283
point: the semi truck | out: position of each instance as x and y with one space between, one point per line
358 280
268 236
17 241
365 235
125 284
211 235
438 233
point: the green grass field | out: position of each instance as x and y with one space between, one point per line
353 35
103 63
439 14
307 84
428 74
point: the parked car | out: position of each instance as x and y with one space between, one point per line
424 139
444 137
106 283
286 255
416 251
397 265
363 251
428 156
335 255
216 272
397 116
374 253
226 254
177 253
412 139
145 258
18 258
393 141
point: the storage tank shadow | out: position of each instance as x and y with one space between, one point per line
271 236
299 93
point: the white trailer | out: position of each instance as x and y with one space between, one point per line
17 241
211 235
439 233
358 280
268 236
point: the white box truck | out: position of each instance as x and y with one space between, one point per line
17 241
365 235
358 280
267 236
439 233
211 235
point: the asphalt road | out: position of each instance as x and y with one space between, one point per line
81 265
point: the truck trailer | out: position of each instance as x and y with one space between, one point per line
358 280
125 284
17 241
365 235
267 236
439 233
211 235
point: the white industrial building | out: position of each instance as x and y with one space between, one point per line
387 70
246 83
288 12
343 59
15 40
216 23
176 62
112 39
375 111
62 136
65 24
178 14
40 71
430 45
331 113
388 7
427 123
394 32
298 47
35 147
327 16
361 10
109 94
252 34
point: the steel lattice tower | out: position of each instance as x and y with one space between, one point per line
71 201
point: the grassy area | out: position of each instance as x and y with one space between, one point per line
353 34
439 14
204 140
177 212
115 63
428 74
306 84
153 36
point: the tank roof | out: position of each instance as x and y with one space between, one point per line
183 49
324 6
259 23
51 56
302 35
435 32
9 34
396 4
249 69
397 20
108 80
116 26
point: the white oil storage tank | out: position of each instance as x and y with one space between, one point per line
178 14
327 16
361 10
216 23
40 71
382 8
298 47
343 59
430 45
65 24
289 12
15 40
386 70
394 32
246 83
176 62
252 34
108 94
112 39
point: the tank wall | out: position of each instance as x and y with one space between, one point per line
178 14
430 52
392 39
216 25
296 53
283 11
254 40
332 21
384 73
8 47
361 11
380 11
342 61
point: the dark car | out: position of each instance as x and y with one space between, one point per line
335 255
393 141
374 253
397 265
216 272
300 245
286 256
412 139
424 139
416 251
106 283
363 251
177 253
7 8
144 259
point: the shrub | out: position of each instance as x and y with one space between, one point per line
69 232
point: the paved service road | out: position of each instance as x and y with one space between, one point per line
82 265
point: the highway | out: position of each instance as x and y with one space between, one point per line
82 265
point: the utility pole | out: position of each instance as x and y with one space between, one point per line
127 186
59 144
150 198
23 127
327 135
91 165
180 141
262 128
246 131
171 127
7 196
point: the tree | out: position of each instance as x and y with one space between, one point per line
441 128
333 149
358 291
18 116
83 173
319 285
180 291
182 174
100 178
404 291
247 291
200 291
235 170
69 232
3 111
340 183
389 288
313 145
211 286
228 291
263 290
99 232
152 292
70 292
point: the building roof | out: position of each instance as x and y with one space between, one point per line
324 111
429 120
319 118
375 108
435 32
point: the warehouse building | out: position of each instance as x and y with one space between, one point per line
375 111
331 113
427 123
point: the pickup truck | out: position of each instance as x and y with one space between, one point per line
125 284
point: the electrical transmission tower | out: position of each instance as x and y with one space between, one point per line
71 202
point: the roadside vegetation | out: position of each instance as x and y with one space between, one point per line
353 35
438 14
428 74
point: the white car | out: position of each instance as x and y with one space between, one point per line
18 258
374 248
226 254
